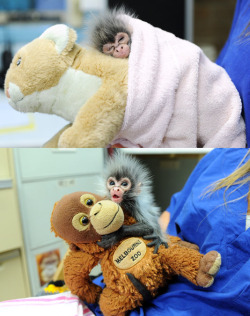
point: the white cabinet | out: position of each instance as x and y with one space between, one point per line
43 177
44 163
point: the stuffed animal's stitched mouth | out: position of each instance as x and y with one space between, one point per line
112 218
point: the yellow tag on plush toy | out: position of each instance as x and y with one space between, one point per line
129 253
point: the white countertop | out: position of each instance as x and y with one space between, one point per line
26 130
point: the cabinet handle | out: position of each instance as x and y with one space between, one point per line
6 184
5 256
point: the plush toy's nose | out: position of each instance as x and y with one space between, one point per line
7 93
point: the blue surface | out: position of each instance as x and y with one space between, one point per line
50 5
13 5
235 57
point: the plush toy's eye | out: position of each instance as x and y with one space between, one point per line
84 220
19 61
81 222
89 202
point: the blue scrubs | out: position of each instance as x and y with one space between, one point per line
235 57
212 225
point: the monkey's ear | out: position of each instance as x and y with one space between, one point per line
138 188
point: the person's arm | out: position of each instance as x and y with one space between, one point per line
164 220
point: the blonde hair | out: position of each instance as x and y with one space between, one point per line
239 177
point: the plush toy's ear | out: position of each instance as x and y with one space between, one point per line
51 225
63 37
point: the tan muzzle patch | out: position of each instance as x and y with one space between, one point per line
106 217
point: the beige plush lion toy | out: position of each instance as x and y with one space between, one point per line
53 74
166 94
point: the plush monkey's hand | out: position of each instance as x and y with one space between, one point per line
156 242
135 230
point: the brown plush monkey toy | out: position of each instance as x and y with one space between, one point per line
131 271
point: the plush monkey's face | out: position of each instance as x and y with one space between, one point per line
82 217
70 218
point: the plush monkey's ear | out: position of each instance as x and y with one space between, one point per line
63 37
51 225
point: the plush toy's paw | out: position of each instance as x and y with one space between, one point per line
91 296
156 242
69 139
75 137
209 267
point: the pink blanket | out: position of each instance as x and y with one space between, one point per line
176 96
64 304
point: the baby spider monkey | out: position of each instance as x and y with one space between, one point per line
110 35
127 182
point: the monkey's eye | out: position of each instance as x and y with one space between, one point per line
89 202
121 39
19 61
111 182
84 220
124 183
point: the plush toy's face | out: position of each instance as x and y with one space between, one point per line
37 67
82 217
106 217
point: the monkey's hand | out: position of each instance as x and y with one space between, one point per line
135 230
156 242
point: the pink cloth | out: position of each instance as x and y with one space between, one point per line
63 304
177 97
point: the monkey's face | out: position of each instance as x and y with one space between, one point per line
118 188
70 218
120 47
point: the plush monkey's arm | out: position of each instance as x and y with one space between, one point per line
77 266
197 268
180 242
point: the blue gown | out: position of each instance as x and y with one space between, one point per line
235 57
213 226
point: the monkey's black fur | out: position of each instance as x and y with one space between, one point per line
106 26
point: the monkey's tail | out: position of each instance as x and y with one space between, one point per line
141 288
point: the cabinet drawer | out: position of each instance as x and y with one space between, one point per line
49 163
37 203
12 284
4 163
10 226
